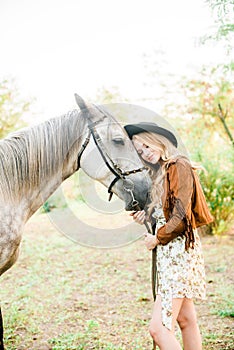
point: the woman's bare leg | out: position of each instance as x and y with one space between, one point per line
187 321
163 337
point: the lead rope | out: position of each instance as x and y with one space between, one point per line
153 265
128 186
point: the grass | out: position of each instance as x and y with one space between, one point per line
60 295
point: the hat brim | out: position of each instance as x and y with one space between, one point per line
133 129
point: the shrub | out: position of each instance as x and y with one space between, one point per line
218 188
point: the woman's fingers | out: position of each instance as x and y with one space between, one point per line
139 216
150 241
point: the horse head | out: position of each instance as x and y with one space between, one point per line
109 157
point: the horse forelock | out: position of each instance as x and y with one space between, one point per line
30 156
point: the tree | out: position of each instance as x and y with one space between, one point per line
202 111
12 108
223 33
210 103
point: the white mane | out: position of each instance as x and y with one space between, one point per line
31 155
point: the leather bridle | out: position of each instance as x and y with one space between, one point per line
112 166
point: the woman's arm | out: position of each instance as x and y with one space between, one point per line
178 200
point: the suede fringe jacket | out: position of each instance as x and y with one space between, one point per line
184 203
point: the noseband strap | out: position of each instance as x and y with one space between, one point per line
123 177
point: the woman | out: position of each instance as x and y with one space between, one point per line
178 206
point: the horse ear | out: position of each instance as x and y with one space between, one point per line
81 103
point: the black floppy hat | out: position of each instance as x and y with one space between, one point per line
133 129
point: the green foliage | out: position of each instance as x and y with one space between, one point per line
54 201
47 206
11 108
209 140
203 97
223 14
219 191
226 313
69 192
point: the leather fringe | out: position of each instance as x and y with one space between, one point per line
173 202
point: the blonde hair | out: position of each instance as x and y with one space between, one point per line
168 153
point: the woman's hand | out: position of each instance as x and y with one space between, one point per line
138 216
151 241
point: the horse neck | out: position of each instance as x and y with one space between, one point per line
35 161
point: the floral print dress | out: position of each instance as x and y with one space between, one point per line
180 273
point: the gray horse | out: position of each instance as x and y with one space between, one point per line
36 160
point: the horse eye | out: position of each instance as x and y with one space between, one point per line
118 141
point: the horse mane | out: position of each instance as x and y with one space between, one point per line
31 155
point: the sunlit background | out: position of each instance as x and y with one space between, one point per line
174 58
53 48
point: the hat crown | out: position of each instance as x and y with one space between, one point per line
133 129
